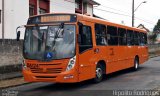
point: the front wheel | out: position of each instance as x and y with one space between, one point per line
99 74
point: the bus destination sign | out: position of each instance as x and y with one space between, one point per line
52 18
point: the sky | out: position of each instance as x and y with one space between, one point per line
147 14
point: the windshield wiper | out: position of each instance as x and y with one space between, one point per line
58 32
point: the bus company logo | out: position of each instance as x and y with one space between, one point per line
32 65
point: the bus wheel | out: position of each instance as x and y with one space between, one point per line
99 74
136 64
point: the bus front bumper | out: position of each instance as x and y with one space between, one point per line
64 77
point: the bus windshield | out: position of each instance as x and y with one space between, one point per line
49 42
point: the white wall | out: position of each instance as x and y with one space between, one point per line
62 6
1 20
16 14
90 9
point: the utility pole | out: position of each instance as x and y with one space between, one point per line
134 10
133 13
3 19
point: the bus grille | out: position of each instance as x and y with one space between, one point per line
46 70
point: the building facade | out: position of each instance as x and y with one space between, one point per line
14 13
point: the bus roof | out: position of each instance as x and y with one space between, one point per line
102 21
96 20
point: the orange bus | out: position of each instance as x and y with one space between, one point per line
68 48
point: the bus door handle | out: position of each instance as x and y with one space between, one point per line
96 50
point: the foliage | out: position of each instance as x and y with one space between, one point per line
152 37
157 27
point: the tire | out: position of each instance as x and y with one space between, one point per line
99 74
136 64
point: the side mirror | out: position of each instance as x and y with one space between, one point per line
18 35
19 32
79 38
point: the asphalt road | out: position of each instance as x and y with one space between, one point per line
146 78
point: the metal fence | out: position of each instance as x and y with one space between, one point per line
154 47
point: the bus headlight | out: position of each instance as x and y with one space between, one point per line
24 66
71 63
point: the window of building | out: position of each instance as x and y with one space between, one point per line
86 38
43 7
42 11
122 36
78 6
112 35
101 36
130 37
84 8
31 10
32 7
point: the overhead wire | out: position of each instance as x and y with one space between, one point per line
146 21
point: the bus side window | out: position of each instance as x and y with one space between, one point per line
86 38
122 36
143 39
101 36
130 37
136 38
112 31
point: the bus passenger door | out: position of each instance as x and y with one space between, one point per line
86 51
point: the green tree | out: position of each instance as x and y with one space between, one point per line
157 27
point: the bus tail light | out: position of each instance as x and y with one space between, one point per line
71 63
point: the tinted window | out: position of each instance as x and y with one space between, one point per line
136 38
112 35
101 36
122 36
143 39
130 37
86 38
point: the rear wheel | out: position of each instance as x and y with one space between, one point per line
136 64
99 74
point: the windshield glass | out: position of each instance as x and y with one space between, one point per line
49 42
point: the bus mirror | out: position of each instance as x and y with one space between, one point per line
18 35
19 32
79 39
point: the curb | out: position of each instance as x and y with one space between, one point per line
10 68
12 75
10 71
24 83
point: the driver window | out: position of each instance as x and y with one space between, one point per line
86 38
